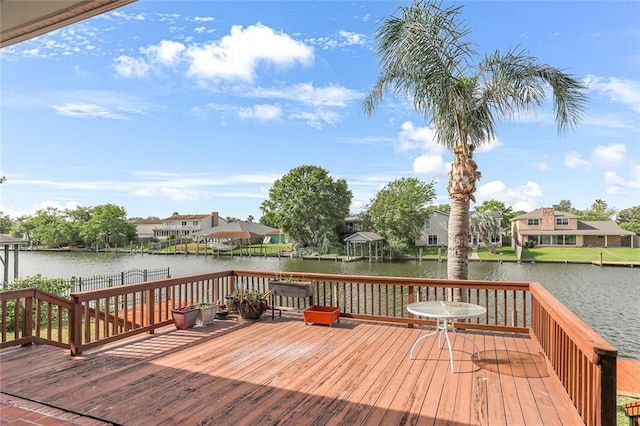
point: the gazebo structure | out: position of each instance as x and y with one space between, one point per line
6 241
232 234
359 239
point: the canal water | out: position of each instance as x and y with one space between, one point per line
605 298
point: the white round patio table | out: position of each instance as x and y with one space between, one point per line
445 313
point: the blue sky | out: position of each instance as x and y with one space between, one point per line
199 106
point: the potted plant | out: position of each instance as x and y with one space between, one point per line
207 313
292 287
223 310
251 304
184 317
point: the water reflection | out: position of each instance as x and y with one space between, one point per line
606 298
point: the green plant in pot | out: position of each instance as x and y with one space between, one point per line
207 313
251 304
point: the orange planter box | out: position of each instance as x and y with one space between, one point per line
321 315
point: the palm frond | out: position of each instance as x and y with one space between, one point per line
422 53
516 81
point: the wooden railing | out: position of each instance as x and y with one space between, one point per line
103 316
33 316
385 298
584 362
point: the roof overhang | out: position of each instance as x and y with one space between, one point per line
21 20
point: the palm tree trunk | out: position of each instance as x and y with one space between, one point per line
462 186
458 249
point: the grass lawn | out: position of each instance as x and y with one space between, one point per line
571 254
621 417
615 254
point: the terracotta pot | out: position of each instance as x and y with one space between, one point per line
184 318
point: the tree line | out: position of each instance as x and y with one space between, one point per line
105 225
310 207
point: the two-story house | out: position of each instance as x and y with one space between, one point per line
145 228
548 227
435 231
187 225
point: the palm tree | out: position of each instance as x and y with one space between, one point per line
424 56
484 224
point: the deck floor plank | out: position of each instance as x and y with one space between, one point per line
285 372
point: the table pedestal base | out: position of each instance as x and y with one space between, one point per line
442 327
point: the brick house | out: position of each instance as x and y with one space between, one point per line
548 227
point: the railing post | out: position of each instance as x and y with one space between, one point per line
608 391
232 284
411 299
151 311
75 326
27 324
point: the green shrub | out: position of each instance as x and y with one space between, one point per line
56 286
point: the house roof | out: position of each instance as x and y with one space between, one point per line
594 227
240 229
363 237
187 217
21 20
6 239
537 214
146 221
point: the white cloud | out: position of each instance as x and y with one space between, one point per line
431 165
316 119
306 93
542 166
611 154
126 16
342 39
351 38
204 19
413 138
624 91
617 185
422 139
87 111
236 56
523 197
574 160
131 67
167 52
261 112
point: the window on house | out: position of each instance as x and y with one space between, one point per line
562 221
446 224
432 240
533 222
184 223
569 240
427 224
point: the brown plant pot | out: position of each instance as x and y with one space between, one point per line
184 318
251 310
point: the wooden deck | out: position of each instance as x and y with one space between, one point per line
283 372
